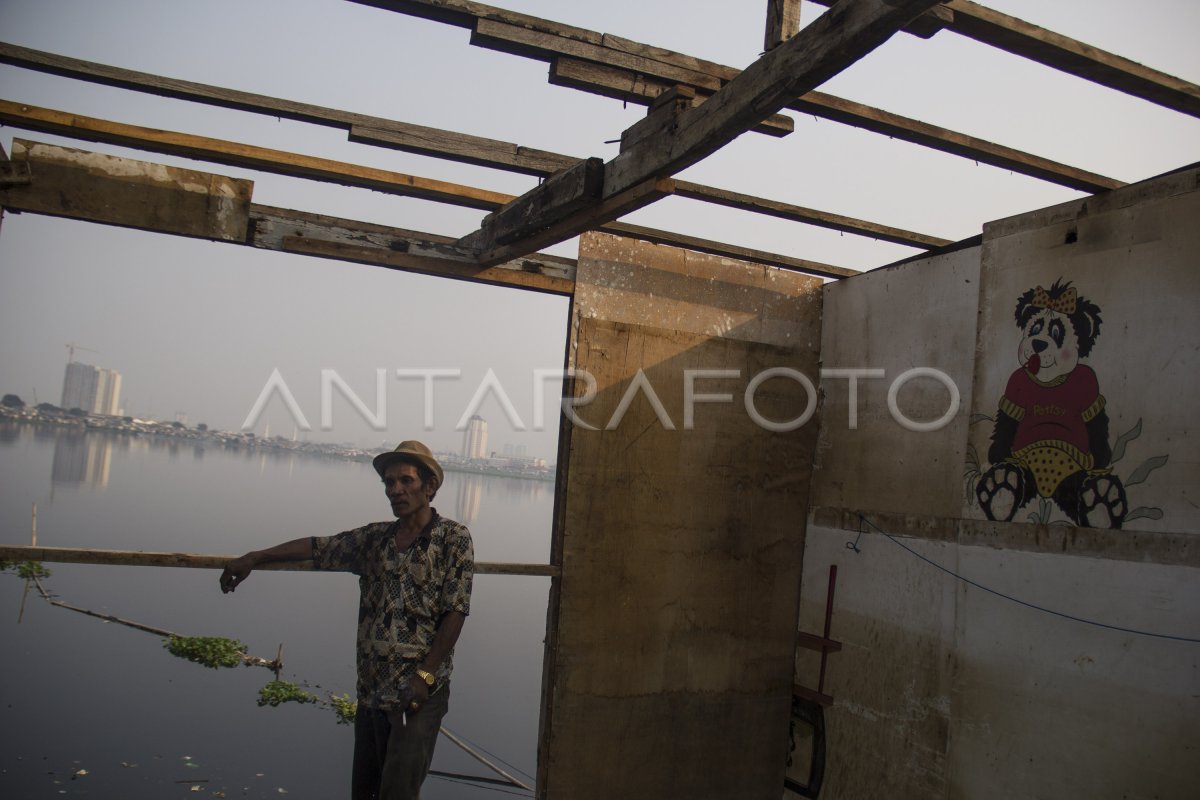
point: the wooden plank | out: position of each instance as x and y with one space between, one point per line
639 88
144 558
559 274
728 250
862 116
563 193
389 133
805 693
1016 36
583 219
1074 57
462 147
545 46
464 13
119 191
833 42
243 155
180 89
810 641
322 236
611 81
133 194
783 22
810 216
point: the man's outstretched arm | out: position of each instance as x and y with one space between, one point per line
240 568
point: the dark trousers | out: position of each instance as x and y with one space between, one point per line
392 754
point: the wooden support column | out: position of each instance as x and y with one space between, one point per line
679 535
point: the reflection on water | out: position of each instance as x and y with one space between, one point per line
82 458
76 693
470 492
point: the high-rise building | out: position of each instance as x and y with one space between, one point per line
108 392
96 391
475 438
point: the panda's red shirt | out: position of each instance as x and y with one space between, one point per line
1055 411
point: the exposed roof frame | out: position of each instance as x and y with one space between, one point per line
639 73
452 145
279 162
678 134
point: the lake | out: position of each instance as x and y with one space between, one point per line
91 708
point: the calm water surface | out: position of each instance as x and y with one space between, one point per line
78 693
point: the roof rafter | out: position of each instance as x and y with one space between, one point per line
832 43
607 74
1021 38
379 131
278 162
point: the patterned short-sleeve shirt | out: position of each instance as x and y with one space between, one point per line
403 596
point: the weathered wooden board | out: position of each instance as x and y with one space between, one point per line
238 154
144 558
396 248
135 194
1072 56
783 22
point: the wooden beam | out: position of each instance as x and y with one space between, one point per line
608 79
243 155
1073 56
378 245
728 250
523 41
146 558
811 216
580 219
134 194
783 22
833 42
862 116
322 236
1063 53
94 187
462 147
436 142
563 193
637 88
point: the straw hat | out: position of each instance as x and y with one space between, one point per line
411 451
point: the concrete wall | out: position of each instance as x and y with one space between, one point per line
669 665
946 689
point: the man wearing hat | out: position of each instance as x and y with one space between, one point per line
415 577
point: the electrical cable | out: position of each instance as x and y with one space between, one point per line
854 546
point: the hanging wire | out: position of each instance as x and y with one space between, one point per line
508 764
471 782
1027 604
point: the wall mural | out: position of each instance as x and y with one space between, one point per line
1050 438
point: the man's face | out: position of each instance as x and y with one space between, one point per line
404 489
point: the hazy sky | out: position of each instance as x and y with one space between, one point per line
198 327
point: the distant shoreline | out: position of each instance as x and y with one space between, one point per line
129 426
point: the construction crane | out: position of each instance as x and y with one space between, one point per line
72 347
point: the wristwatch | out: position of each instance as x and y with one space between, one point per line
428 677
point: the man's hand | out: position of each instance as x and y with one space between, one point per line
416 695
237 571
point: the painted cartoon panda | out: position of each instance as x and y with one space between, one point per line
1051 433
